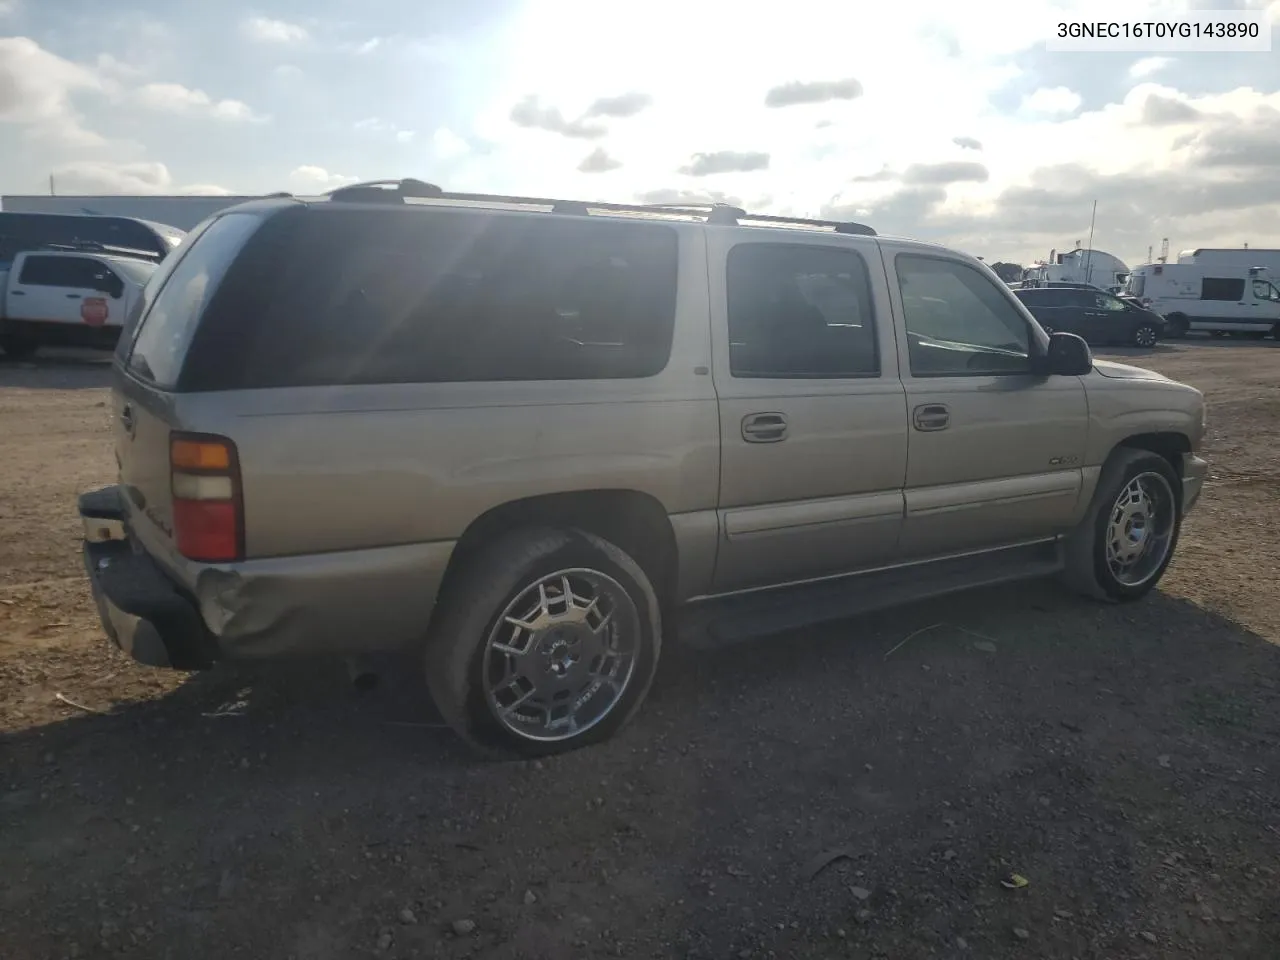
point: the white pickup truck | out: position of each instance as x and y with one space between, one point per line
67 299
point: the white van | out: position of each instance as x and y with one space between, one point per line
1194 297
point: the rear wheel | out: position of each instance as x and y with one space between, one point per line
1123 545
18 347
1145 335
546 641
1275 332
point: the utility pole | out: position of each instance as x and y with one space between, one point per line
52 191
1088 257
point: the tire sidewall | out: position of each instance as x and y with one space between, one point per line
459 646
1148 463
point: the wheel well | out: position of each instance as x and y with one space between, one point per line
1171 446
633 521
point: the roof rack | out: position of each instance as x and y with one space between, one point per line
400 191
94 246
376 191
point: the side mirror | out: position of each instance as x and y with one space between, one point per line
1068 356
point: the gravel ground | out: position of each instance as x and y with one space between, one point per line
807 796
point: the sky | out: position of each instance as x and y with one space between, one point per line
925 118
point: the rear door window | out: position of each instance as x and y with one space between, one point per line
800 311
54 272
176 296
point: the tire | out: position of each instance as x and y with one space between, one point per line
1178 325
1146 336
1047 329
18 348
1275 332
1088 568
500 581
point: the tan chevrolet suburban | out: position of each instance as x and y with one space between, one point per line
525 441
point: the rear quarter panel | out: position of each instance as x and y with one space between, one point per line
356 467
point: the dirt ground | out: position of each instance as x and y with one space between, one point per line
808 796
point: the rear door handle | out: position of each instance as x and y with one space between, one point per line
73 296
126 418
17 293
931 416
764 427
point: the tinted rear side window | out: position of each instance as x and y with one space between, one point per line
1216 288
177 293
404 296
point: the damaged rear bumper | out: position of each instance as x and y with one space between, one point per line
347 603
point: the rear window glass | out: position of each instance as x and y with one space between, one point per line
401 296
177 293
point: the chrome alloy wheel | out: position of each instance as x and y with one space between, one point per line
561 655
1140 529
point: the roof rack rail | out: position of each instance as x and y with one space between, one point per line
376 191
398 191
95 246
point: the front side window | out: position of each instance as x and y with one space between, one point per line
798 311
1262 290
958 322
1103 301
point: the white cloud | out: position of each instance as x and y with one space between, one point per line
1148 65
145 179
8 8
175 98
1051 100
405 136
36 90
311 179
267 30
448 145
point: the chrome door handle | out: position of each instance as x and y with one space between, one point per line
931 416
764 427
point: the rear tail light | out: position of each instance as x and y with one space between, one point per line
208 510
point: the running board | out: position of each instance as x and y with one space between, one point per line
720 621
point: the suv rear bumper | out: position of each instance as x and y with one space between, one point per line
141 609
347 603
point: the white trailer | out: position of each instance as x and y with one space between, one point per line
69 299
1241 302
1095 267
1236 259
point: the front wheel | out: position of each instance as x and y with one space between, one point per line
1145 336
545 641
1123 545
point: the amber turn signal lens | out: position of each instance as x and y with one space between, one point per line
199 455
